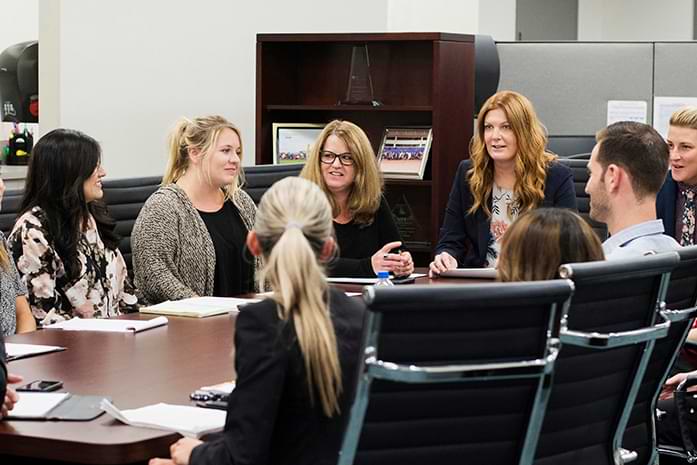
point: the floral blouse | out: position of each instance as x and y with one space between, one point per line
504 211
11 287
102 290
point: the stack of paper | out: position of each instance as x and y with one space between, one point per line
17 351
198 307
36 405
108 325
192 422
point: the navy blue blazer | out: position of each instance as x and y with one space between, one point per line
466 236
665 205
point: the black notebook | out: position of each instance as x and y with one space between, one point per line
56 406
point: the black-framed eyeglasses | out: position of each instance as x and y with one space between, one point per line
328 157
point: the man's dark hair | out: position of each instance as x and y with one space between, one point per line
640 150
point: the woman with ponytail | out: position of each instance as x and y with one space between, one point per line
296 352
189 237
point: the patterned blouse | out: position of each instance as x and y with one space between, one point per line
504 211
11 287
103 289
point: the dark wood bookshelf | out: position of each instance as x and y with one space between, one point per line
420 79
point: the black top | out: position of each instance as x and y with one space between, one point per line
466 236
358 242
234 273
270 418
3 370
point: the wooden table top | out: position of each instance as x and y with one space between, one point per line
163 364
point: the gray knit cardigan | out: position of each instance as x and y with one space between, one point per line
173 253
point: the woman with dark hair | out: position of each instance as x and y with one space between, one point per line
63 242
540 241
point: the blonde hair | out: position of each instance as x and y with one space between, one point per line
292 225
531 161
4 257
202 134
685 118
540 241
364 198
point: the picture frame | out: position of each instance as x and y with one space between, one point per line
292 141
404 152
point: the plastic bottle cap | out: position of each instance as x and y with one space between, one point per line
383 275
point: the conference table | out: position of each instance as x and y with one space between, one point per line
163 364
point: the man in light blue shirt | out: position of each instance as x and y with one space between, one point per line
626 170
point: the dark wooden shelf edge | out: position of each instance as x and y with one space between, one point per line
410 108
366 37
408 182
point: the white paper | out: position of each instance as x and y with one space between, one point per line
15 351
108 325
664 107
36 404
198 306
481 273
626 110
188 421
365 280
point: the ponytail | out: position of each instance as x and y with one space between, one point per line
178 153
293 222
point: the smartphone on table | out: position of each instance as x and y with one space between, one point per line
41 385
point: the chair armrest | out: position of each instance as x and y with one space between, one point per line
612 340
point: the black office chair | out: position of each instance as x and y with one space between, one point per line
579 169
681 311
607 340
455 374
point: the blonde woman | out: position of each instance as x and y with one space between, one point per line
15 313
508 173
189 238
296 352
342 162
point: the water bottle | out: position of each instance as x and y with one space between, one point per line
383 279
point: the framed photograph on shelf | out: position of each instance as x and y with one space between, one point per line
292 141
404 152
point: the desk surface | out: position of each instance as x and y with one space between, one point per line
163 364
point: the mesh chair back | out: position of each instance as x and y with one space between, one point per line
598 373
680 304
580 172
455 374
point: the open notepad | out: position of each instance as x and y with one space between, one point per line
16 351
108 325
481 273
339 280
56 406
198 307
192 422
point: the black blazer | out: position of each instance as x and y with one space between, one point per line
466 236
3 370
270 417
665 205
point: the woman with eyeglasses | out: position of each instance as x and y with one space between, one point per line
63 242
342 162
189 238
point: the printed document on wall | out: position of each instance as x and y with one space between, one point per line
626 110
664 107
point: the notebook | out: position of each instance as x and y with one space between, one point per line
16 351
56 406
108 325
188 421
481 273
339 280
198 307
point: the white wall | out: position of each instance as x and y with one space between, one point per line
628 20
127 70
19 22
